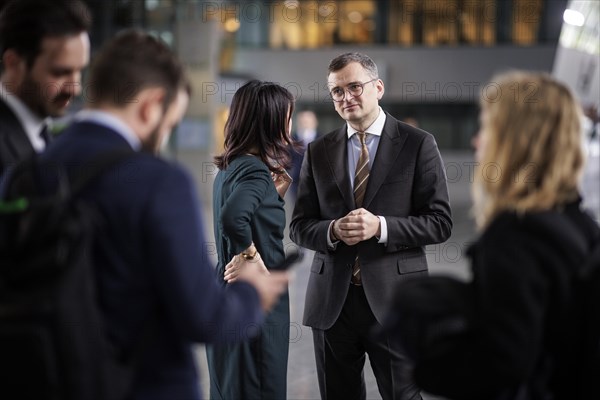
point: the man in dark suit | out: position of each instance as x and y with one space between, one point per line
44 46
372 194
151 254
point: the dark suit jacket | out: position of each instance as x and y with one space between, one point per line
151 260
247 209
14 143
407 185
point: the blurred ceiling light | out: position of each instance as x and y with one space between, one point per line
355 17
291 3
573 17
327 10
232 25
152 4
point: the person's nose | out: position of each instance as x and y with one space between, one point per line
73 84
348 96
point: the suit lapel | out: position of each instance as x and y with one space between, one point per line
391 142
13 136
337 158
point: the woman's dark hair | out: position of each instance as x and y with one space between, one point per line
259 119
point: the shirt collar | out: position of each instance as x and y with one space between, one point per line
32 124
376 127
110 121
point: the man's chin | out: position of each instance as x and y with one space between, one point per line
351 115
352 111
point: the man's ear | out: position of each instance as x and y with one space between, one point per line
151 106
14 64
380 89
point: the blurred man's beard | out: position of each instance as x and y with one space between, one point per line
31 94
36 98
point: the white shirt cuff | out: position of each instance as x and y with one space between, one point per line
330 244
384 232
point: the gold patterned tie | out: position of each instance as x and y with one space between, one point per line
361 177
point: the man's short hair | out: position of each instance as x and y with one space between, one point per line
25 23
132 61
344 59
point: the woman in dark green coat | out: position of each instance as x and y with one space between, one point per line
249 220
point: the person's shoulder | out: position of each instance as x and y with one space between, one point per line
247 162
8 118
504 222
510 222
156 169
557 227
247 165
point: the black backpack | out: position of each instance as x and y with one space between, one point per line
52 339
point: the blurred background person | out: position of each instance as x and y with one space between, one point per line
44 46
516 335
152 270
305 132
412 121
249 221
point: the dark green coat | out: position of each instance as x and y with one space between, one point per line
247 208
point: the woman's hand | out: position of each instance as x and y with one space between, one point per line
282 181
239 262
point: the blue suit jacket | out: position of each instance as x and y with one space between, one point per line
152 264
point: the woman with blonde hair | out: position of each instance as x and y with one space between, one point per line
512 332
529 151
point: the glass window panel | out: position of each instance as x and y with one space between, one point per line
526 21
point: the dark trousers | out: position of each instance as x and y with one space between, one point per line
340 354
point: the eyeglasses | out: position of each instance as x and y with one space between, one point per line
355 89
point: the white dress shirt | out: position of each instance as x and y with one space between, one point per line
110 121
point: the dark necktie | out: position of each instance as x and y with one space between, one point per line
45 134
361 177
